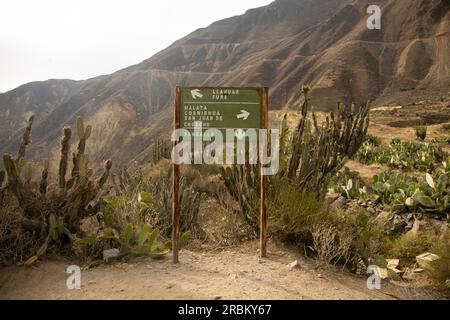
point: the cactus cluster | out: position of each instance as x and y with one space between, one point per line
158 187
404 155
55 216
243 183
314 152
190 200
309 155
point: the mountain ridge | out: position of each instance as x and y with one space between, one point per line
289 42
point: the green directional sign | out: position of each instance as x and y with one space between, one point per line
221 108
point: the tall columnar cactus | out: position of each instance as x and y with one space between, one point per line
243 182
318 151
161 149
2 178
26 139
78 158
308 156
44 178
55 215
65 149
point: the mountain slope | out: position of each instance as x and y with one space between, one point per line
322 42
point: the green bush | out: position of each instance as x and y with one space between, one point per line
294 212
421 132
369 241
344 238
407 247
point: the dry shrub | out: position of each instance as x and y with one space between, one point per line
294 212
421 132
16 244
331 245
407 247
439 271
222 228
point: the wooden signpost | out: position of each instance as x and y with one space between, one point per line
220 108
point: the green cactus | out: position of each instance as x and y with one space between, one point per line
404 155
65 149
44 178
316 151
309 156
26 140
28 174
243 183
56 217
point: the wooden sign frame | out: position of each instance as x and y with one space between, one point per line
176 181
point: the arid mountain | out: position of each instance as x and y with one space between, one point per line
322 42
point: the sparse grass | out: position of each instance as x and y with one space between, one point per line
445 127
407 247
294 212
331 245
440 270
16 244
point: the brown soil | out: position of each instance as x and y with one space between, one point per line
236 273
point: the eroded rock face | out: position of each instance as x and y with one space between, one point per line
323 42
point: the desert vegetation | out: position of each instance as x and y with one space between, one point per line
316 203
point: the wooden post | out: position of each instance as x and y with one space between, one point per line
176 185
264 178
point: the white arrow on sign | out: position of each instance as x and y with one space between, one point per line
196 94
243 115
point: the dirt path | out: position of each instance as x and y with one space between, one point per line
233 274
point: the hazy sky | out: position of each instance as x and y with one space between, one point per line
79 39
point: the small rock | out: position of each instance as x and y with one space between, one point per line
417 227
217 297
294 265
335 202
398 224
392 263
110 254
382 273
233 276
383 219
319 275
425 260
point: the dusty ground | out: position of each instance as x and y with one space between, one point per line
233 274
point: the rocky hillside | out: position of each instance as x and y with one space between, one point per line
322 42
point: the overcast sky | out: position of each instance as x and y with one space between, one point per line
79 39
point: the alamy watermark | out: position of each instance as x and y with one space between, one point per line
236 146
73 282
374 21
374 280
